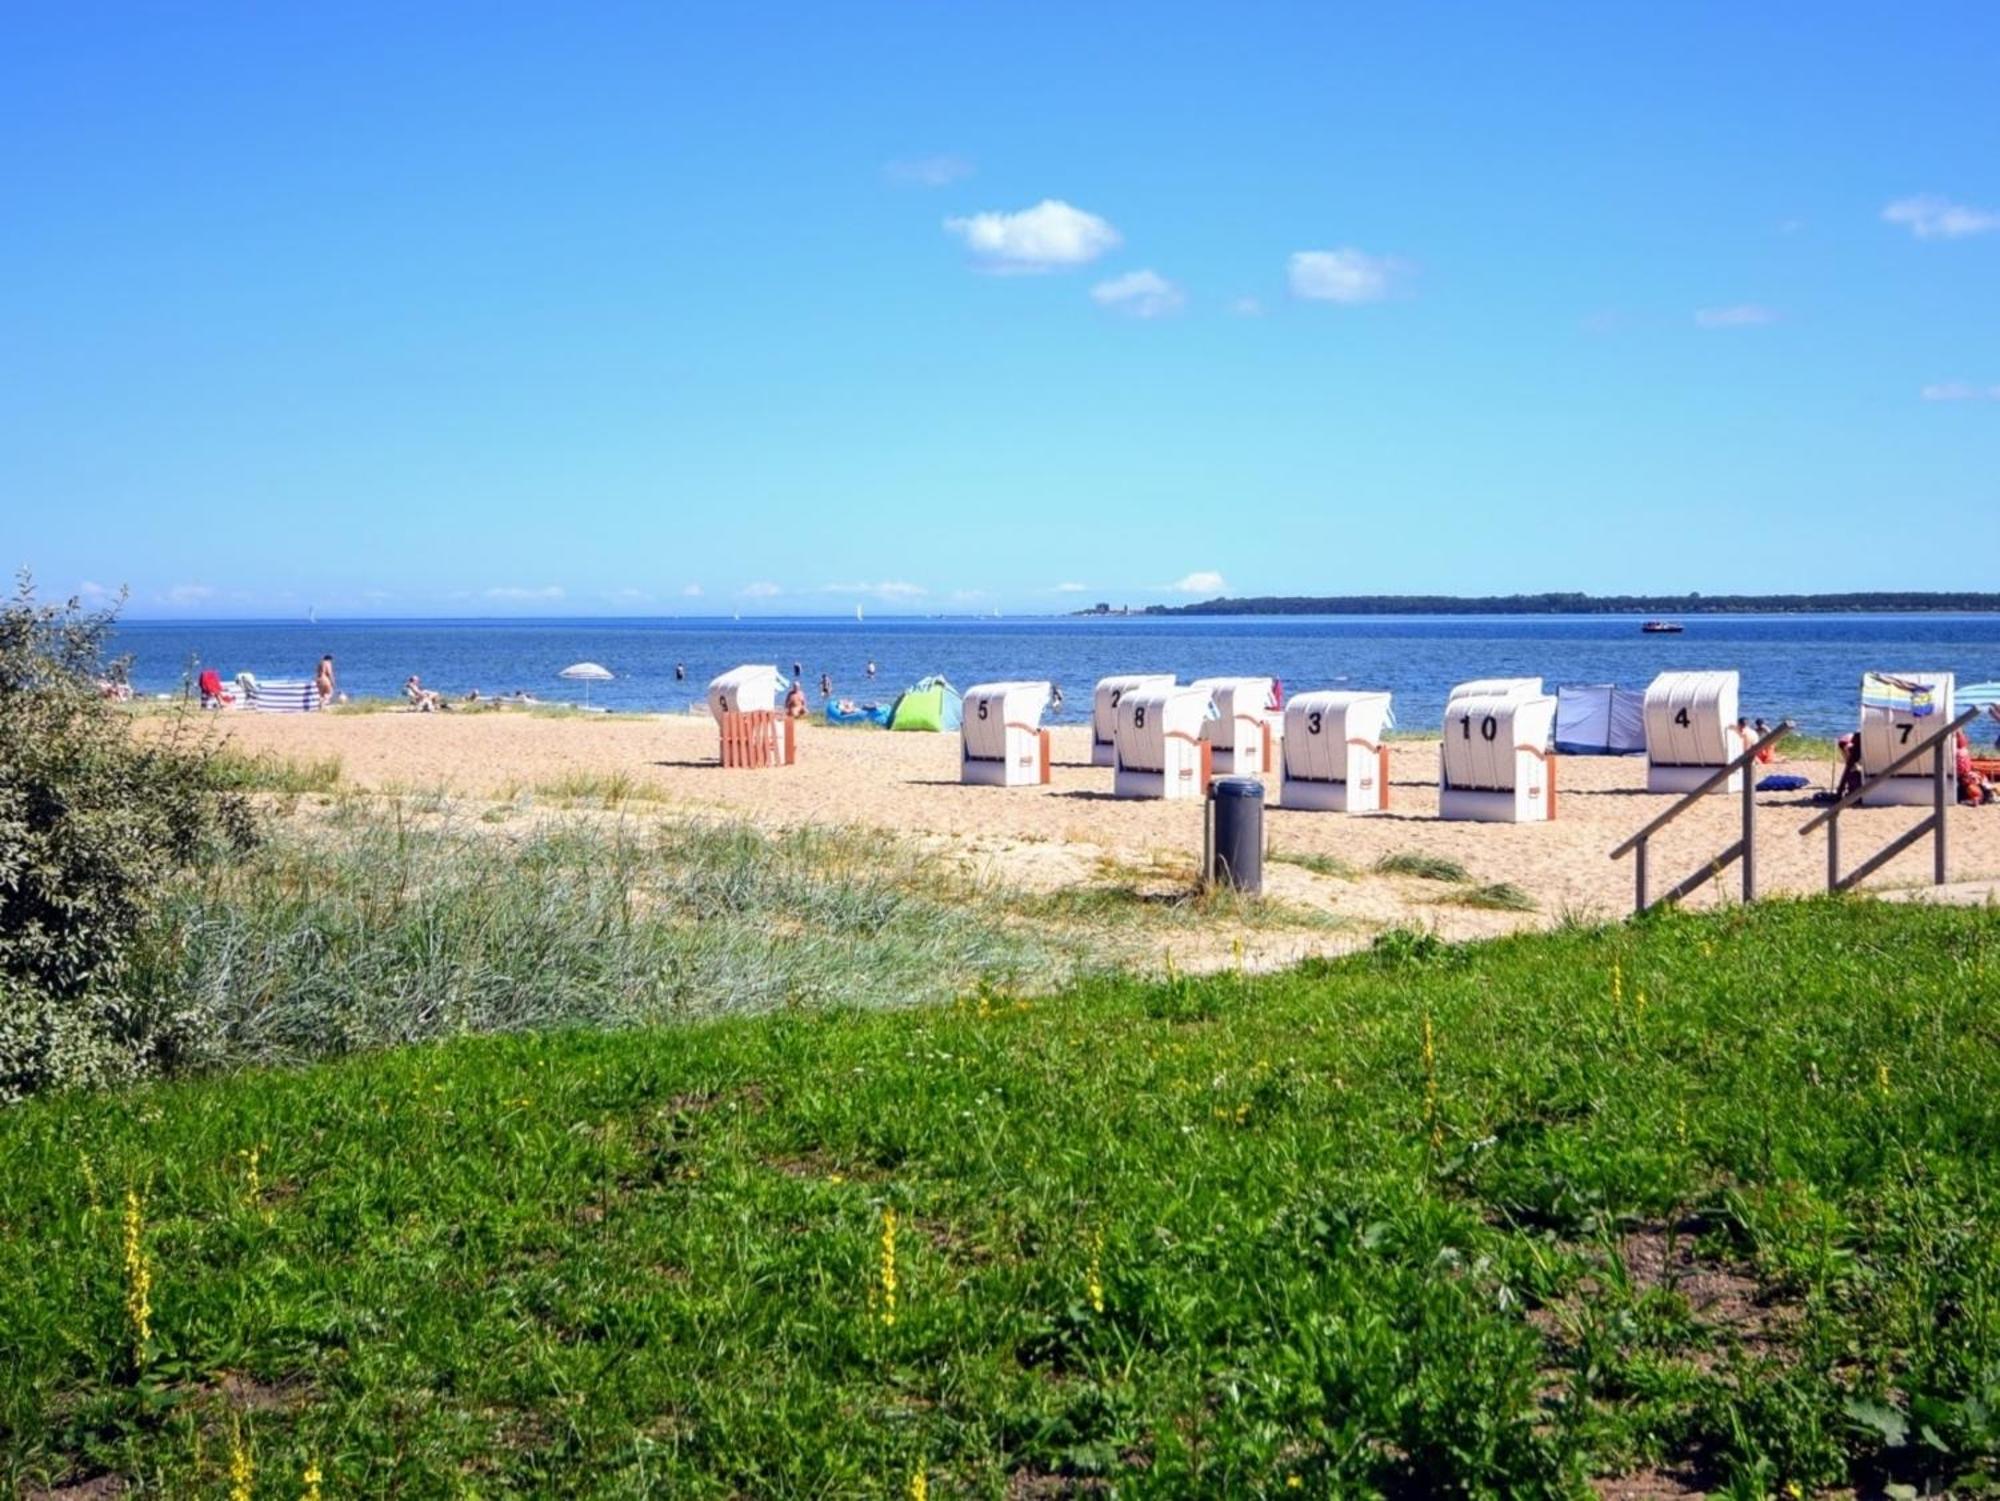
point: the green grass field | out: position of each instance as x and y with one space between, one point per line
1706 1197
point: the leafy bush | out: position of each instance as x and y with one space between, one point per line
93 820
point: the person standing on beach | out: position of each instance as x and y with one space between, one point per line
323 680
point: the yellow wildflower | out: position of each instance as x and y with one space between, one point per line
888 1265
1096 1282
1431 1088
241 1471
253 1182
920 1485
138 1277
310 1479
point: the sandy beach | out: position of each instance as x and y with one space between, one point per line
1073 832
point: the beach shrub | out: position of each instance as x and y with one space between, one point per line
93 821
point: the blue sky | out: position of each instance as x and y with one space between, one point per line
531 309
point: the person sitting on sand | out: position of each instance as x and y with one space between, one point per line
795 701
323 680
424 700
1850 765
1760 730
1972 790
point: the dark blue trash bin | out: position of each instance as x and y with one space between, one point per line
1235 854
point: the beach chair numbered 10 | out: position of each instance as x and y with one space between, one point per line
1001 742
1496 766
1334 760
1161 750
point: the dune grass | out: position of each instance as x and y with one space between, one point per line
269 772
1498 896
376 929
1710 1196
602 789
1423 866
1319 865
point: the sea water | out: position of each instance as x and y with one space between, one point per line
1807 667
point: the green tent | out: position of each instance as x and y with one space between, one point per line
932 704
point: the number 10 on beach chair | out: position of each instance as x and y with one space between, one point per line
1496 764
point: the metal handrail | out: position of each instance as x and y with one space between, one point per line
1933 825
1890 770
1745 847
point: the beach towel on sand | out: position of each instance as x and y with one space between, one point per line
1783 781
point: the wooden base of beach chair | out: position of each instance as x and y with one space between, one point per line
757 739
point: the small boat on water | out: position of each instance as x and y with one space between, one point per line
1663 628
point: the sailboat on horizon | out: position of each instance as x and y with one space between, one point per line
857 614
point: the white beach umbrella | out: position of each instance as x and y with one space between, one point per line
586 673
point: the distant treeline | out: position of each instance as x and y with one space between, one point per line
1582 604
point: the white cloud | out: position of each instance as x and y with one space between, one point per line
629 596
889 589
1140 294
1930 217
189 594
692 591
1343 275
515 594
939 171
1201 581
92 593
762 589
1072 588
1247 307
1049 235
1738 315
1960 390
